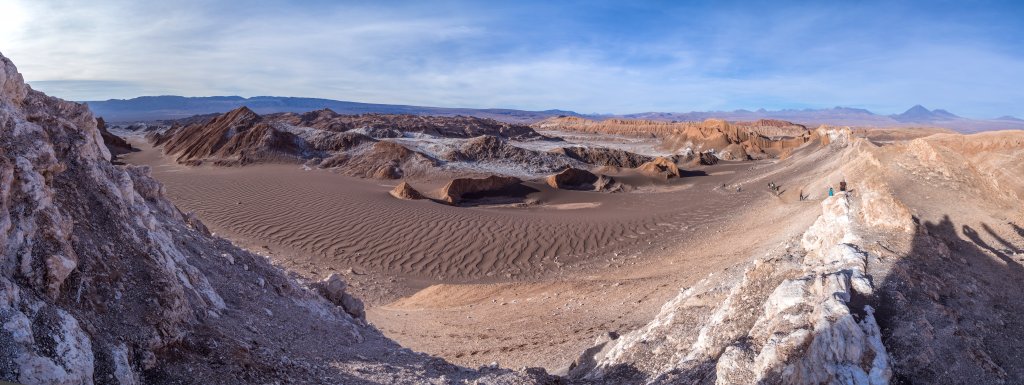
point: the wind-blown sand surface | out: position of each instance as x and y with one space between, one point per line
346 222
451 280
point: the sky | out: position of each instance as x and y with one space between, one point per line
584 56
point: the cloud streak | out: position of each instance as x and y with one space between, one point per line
589 57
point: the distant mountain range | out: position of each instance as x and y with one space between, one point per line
150 108
916 116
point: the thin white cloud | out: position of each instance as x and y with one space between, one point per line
411 54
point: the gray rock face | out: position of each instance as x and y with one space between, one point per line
72 271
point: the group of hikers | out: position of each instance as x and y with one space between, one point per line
842 187
777 189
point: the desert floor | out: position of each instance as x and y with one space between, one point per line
521 286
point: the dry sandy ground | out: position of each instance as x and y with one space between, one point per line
520 286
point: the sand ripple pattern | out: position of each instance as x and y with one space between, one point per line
353 222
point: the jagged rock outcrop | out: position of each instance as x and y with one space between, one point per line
115 144
237 137
707 158
331 142
333 288
494 150
661 167
439 126
103 280
600 156
405 191
381 160
357 145
461 189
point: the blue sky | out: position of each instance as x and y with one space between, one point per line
586 56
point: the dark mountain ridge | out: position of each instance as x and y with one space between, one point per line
153 108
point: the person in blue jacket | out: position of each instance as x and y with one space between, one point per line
830 191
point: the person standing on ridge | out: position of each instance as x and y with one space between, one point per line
830 191
842 186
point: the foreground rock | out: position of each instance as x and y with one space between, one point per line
462 189
105 281
405 191
333 288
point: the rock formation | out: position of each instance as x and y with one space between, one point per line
572 179
405 191
461 189
115 144
333 288
357 145
600 156
494 150
707 158
661 167
329 142
731 141
237 137
381 160
439 126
